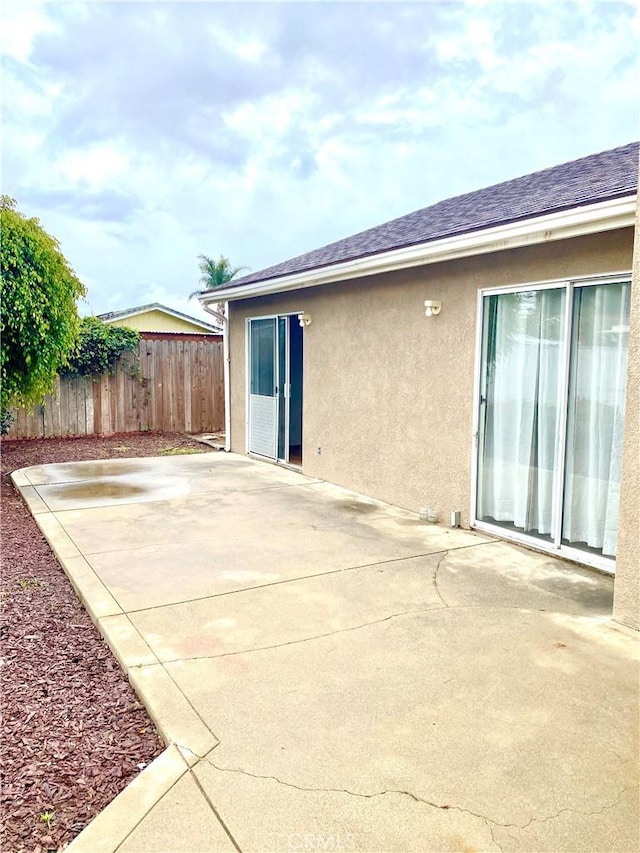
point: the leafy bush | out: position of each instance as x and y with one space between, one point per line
38 315
6 419
99 347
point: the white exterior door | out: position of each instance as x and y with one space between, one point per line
263 388
275 388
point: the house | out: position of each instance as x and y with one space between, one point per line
480 356
160 322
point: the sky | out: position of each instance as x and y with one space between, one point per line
143 134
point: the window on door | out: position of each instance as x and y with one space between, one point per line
551 410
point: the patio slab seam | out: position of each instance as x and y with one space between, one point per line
61 543
302 578
172 712
188 771
197 714
115 824
89 587
124 647
213 808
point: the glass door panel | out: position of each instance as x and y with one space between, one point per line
263 375
275 388
595 417
521 379
263 402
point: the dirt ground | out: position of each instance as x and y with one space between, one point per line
73 732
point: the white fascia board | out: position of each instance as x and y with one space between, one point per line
577 222
121 315
163 309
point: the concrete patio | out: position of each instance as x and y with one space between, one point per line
331 673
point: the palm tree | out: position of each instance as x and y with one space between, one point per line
216 273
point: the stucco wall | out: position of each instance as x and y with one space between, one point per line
626 605
388 393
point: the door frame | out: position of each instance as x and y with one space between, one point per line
287 400
605 564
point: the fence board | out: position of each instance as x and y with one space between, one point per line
202 377
168 386
186 382
47 416
88 405
60 426
74 409
119 379
167 390
105 416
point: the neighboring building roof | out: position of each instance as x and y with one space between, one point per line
117 316
598 178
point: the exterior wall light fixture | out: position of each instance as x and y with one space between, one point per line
432 307
304 320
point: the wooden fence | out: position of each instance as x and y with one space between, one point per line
166 385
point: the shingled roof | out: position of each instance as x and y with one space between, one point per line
597 178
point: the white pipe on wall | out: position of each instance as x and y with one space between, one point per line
223 318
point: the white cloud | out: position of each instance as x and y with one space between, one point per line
20 22
97 165
145 134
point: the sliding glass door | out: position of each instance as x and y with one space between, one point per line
522 354
595 417
551 409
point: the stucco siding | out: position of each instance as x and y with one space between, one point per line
626 605
388 393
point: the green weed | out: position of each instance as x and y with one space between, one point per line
47 818
30 583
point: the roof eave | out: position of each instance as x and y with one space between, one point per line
575 222
205 328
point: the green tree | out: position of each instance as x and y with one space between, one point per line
39 321
216 273
99 346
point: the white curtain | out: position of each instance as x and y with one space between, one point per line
522 363
596 416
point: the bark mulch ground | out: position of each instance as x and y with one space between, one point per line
74 733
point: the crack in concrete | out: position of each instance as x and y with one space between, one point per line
490 822
493 838
307 639
435 577
433 609
356 794
557 814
